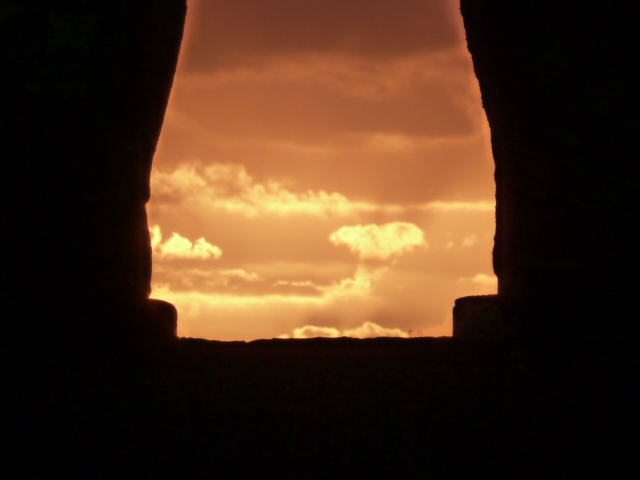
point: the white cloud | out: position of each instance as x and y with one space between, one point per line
180 247
379 242
156 236
177 184
241 274
470 240
357 286
366 330
481 278
371 330
228 187
360 285
370 242
310 331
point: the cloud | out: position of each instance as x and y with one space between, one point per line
348 76
372 242
366 330
310 331
156 236
189 279
380 242
304 283
470 240
318 272
371 330
228 187
200 277
179 247
225 316
241 274
361 284
480 206
437 206
479 284
481 278
289 121
225 34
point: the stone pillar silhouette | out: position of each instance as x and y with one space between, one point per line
86 85
559 87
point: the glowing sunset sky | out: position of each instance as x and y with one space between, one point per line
324 169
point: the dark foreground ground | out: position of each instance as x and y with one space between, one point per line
326 408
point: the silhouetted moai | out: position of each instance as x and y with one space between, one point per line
559 87
86 85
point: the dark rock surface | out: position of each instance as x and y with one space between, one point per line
85 88
326 408
559 86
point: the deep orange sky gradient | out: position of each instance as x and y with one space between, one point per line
324 169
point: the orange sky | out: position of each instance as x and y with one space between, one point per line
324 169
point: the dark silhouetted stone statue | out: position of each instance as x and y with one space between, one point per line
85 88
559 86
